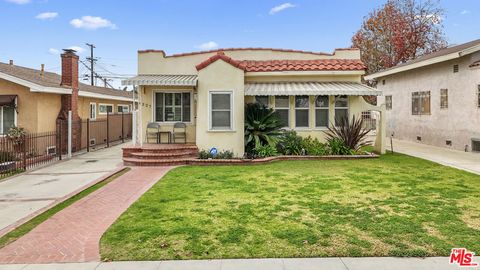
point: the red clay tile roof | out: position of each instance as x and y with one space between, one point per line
218 56
304 65
287 65
244 49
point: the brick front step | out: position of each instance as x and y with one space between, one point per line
156 162
164 156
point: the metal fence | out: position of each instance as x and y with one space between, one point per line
369 120
100 133
18 154
21 153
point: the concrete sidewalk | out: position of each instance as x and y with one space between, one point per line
23 195
466 161
376 263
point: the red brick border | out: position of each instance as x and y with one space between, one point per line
58 201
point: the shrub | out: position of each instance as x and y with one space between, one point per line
262 126
352 134
314 147
338 147
266 151
290 144
205 154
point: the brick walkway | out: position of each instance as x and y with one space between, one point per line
73 235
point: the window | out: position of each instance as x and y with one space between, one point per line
7 118
383 82
475 145
478 96
443 98
262 100
421 103
388 102
93 111
221 110
123 108
341 109
321 111
301 111
455 68
104 108
172 107
282 107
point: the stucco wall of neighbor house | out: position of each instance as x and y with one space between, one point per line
84 106
48 107
26 104
221 76
148 109
157 63
459 123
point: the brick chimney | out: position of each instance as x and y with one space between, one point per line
70 101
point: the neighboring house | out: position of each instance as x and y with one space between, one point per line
208 91
435 99
36 99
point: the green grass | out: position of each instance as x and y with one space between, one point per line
395 205
31 224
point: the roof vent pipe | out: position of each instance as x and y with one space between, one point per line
42 69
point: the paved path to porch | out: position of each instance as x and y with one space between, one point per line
344 263
26 194
73 234
466 161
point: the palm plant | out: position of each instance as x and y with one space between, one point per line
352 134
262 126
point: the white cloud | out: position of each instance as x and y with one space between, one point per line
465 12
92 23
281 7
19 2
78 49
47 16
53 51
211 45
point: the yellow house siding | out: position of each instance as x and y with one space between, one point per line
48 107
221 76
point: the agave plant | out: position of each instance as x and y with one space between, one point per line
352 134
262 126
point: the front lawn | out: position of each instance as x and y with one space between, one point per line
392 206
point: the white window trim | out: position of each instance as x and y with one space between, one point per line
303 109
14 118
283 108
123 106
321 108
105 104
90 111
232 97
335 109
154 102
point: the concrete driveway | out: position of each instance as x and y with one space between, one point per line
466 161
24 194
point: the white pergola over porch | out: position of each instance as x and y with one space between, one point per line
309 89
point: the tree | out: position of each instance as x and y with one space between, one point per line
399 31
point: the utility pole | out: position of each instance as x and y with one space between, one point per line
92 60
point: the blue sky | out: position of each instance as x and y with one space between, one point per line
33 31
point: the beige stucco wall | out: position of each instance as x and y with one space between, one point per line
84 106
221 76
37 112
147 106
459 123
158 63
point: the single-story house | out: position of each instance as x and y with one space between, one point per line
208 90
34 99
435 99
